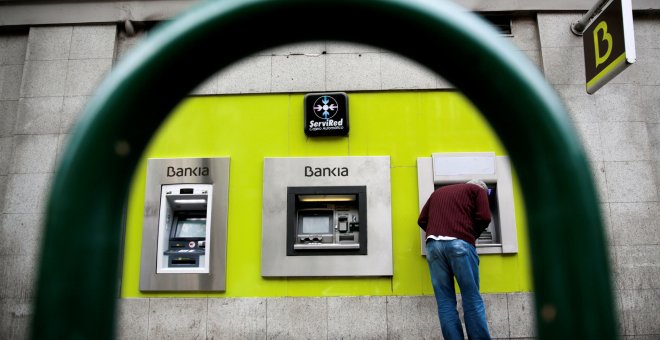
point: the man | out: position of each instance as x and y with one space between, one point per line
453 218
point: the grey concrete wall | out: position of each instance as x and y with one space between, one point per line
338 66
46 76
49 73
361 317
19 230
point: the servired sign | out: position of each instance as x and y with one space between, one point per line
326 114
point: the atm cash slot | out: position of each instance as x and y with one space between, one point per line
317 246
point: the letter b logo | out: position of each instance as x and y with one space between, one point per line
602 26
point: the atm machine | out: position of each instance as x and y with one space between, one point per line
184 235
326 216
183 228
500 237
326 220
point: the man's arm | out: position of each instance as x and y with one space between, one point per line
482 214
423 219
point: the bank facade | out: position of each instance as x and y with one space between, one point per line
253 113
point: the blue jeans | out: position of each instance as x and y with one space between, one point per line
457 258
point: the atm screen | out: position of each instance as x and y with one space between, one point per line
492 197
191 228
315 223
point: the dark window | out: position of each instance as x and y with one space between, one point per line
501 22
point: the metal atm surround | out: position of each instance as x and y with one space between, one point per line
162 172
495 171
372 172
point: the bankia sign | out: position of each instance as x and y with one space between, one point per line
326 114
609 44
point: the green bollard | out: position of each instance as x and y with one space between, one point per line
77 283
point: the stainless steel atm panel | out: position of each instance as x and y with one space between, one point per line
184 235
450 168
326 216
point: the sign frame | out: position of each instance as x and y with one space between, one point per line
326 114
613 26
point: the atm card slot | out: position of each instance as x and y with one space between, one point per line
326 246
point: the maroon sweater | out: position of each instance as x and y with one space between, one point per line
457 210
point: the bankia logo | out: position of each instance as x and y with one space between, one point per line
326 114
187 171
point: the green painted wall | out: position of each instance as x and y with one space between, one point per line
247 128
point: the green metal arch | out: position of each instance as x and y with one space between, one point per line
76 298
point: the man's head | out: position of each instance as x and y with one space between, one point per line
479 183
